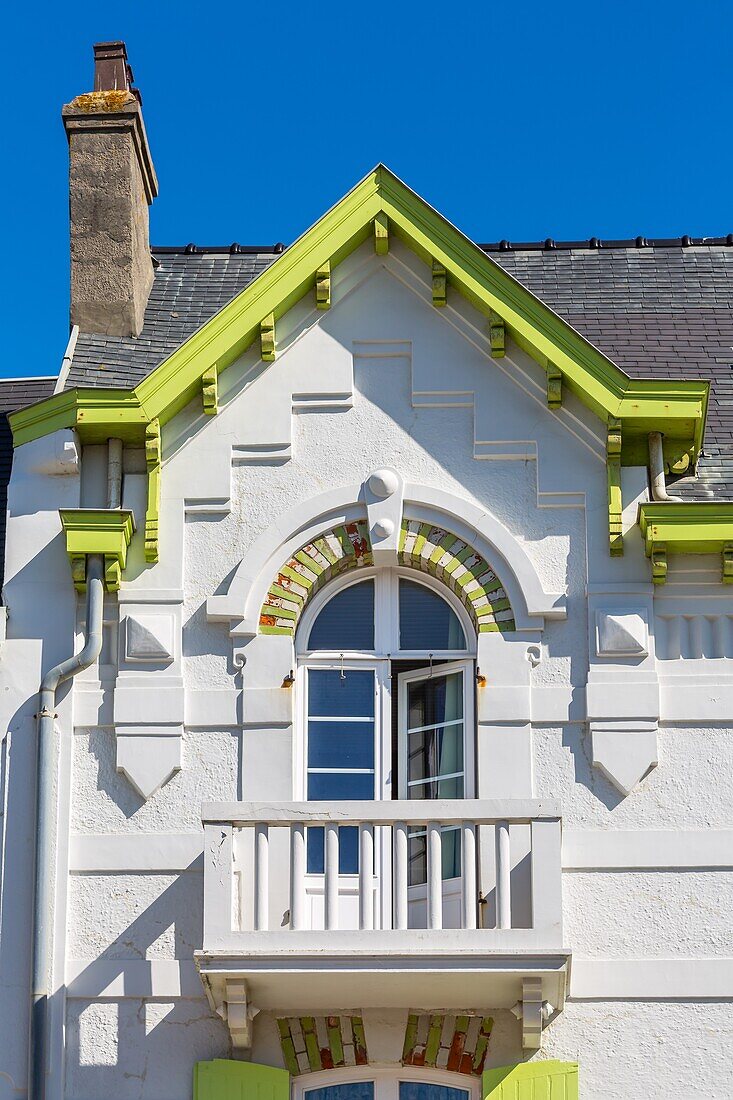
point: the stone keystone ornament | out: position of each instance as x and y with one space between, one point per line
383 493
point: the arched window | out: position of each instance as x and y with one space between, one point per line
384 1083
386 684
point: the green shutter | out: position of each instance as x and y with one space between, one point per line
225 1079
532 1081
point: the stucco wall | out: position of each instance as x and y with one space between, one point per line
383 378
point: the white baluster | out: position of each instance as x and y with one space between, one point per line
469 898
399 835
435 876
262 876
503 876
366 876
297 875
331 847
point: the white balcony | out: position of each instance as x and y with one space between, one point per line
399 925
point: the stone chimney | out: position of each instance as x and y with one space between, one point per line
112 183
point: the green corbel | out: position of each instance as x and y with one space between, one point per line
210 391
613 468
440 284
381 234
105 531
323 286
497 335
682 527
554 386
153 461
267 338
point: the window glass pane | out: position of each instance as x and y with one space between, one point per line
357 1090
348 850
335 786
417 855
422 1090
346 622
435 701
333 694
426 620
341 744
436 751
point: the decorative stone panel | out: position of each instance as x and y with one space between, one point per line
433 550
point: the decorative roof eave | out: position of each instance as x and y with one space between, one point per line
697 527
676 408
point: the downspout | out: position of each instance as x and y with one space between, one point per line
45 817
656 470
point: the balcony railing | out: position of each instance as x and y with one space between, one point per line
258 883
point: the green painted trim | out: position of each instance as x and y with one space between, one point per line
230 1079
440 285
381 204
432 1045
699 527
381 234
554 386
210 390
497 335
105 531
267 339
308 1027
288 1047
615 503
335 1040
154 462
323 286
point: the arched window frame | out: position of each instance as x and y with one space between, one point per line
386 1080
386 650
386 616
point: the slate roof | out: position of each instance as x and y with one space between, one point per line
657 309
15 393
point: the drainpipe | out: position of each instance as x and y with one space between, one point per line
656 470
114 473
45 816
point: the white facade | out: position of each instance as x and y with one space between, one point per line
609 708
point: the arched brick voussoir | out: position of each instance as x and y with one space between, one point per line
452 560
334 552
424 546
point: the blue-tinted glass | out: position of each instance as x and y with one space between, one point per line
334 694
426 620
421 1090
340 744
335 786
348 850
356 1090
346 622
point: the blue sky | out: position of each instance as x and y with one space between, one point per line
518 120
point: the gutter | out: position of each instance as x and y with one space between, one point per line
45 816
656 470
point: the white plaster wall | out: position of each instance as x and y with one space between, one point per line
398 370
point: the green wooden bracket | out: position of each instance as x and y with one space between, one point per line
230 1079
323 286
210 390
381 234
659 563
697 527
105 531
540 1080
440 284
554 386
613 469
153 461
267 339
497 335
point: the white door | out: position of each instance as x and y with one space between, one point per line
435 761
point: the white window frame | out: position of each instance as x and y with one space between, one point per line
386 638
469 748
386 1080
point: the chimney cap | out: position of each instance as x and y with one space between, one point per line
112 72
